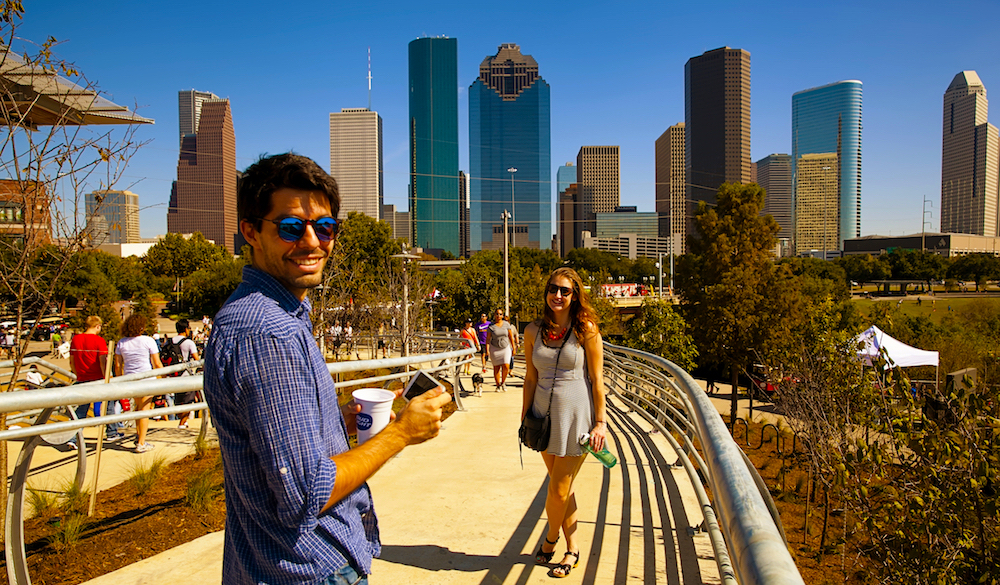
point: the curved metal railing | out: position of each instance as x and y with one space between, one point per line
742 522
743 527
448 354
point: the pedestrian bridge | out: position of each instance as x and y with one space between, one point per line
462 509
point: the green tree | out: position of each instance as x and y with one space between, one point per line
917 265
177 256
740 305
207 289
976 267
864 268
660 330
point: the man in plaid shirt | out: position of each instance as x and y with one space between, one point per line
298 509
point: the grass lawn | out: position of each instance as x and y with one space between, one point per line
934 310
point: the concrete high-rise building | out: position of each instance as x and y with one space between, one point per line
565 176
356 160
509 128
203 198
827 120
598 181
774 175
463 214
969 160
399 220
434 216
112 217
189 109
670 185
569 209
716 124
817 215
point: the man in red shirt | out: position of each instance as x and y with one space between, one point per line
88 358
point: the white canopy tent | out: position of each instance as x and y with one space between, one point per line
874 343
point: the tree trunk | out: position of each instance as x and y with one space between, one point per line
826 520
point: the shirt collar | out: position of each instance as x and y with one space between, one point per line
271 288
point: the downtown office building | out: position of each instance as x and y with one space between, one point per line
510 152
203 198
716 125
112 217
356 160
434 201
827 120
970 157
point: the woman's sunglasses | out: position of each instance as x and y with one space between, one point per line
291 229
553 289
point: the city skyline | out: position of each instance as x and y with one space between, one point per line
904 53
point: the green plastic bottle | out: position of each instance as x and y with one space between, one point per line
604 456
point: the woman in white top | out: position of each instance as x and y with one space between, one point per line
135 353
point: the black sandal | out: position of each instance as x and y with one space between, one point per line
564 567
542 557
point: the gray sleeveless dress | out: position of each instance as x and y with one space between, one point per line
572 412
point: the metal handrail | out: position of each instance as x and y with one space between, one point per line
748 540
145 384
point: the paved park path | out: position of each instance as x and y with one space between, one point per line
460 509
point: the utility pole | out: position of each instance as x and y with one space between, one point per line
506 269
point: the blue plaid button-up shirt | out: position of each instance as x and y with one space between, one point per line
275 408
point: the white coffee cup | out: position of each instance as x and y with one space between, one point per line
376 405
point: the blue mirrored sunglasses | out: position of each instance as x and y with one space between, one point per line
291 229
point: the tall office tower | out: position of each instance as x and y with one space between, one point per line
356 160
716 124
113 217
599 186
509 128
774 175
969 160
569 210
399 220
670 187
817 215
189 107
827 120
204 196
463 214
565 176
434 144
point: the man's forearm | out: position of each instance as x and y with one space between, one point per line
355 466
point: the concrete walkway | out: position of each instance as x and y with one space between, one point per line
460 509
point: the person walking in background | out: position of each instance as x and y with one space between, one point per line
501 343
136 353
89 360
482 328
469 334
558 348
381 338
189 352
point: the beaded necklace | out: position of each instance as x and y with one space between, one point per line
556 336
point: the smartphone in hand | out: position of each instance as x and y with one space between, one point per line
421 382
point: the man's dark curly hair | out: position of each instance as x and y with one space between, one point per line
270 173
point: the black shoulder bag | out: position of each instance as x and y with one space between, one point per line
534 431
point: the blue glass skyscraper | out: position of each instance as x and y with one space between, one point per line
509 128
827 120
434 205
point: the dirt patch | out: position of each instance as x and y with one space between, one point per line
785 474
125 528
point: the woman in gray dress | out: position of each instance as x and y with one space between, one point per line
564 378
501 341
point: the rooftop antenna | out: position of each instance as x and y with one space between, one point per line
369 79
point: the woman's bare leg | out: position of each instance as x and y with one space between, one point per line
560 501
142 424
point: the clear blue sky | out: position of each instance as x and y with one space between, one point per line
616 73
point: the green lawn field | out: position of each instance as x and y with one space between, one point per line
934 309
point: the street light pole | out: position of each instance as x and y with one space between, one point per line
406 256
513 214
506 270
